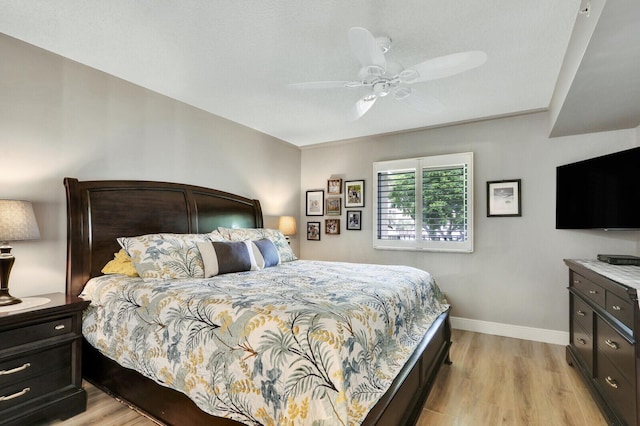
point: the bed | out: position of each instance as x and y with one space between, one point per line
99 212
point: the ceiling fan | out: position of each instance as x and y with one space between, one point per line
381 77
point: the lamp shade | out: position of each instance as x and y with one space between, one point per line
17 221
287 225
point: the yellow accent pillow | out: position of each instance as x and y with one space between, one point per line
121 264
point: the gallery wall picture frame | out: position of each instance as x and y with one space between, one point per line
334 186
334 207
315 202
332 226
354 220
504 198
313 231
354 193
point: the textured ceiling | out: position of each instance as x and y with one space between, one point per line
235 59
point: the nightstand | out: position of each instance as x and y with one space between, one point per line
40 360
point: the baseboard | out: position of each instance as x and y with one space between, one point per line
519 332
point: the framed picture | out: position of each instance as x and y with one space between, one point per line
334 206
354 193
313 231
503 198
354 220
334 186
332 226
315 203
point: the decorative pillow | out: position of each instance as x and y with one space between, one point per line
120 264
281 243
265 253
225 257
165 256
216 236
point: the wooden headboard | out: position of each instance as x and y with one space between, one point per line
98 212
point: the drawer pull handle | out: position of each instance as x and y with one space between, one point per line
15 395
611 344
616 308
581 341
580 313
577 281
611 382
593 291
59 327
15 370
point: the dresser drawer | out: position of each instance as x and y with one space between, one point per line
582 314
617 349
620 308
34 387
33 364
584 346
590 289
35 332
620 394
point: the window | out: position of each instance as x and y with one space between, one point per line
424 203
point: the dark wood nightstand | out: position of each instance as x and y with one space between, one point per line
40 361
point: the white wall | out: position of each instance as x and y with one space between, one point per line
516 275
59 118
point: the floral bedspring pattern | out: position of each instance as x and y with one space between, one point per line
303 343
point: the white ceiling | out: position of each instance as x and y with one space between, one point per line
235 59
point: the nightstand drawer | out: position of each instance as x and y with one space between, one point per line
620 308
34 387
617 349
35 332
582 314
617 390
33 364
590 289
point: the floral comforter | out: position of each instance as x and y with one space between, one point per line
306 342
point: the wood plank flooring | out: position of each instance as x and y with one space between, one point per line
493 381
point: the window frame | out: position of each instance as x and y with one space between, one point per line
417 165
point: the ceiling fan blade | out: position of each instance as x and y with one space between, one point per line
361 107
423 102
324 84
445 66
365 47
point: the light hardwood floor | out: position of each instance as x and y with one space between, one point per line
493 381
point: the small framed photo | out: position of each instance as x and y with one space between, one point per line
313 231
334 186
503 198
354 193
332 226
315 203
334 206
354 220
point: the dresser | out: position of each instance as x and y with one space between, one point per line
40 360
604 324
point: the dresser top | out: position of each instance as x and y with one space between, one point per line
628 275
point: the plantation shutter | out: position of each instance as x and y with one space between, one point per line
396 219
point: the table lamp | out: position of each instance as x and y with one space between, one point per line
17 223
287 225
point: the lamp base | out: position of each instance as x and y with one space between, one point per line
6 299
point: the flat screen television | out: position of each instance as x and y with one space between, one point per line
600 193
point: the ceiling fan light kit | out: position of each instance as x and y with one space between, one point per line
382 77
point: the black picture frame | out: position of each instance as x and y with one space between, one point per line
504 198
354 220
354 193
313 231
315 202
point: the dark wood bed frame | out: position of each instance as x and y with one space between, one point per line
100 211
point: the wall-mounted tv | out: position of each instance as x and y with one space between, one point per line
600 193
